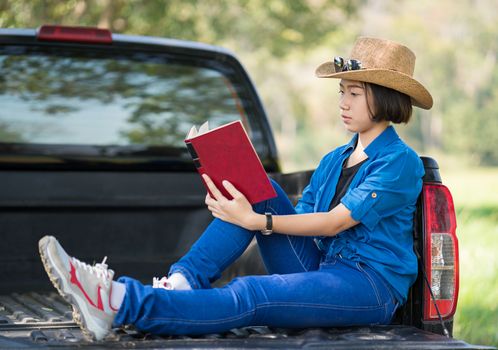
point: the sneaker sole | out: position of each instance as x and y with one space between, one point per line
55 278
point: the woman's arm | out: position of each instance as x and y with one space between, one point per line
313 224
239 211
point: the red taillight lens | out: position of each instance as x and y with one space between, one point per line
441 252
74 34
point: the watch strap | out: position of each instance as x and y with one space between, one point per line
269 225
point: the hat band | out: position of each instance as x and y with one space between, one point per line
342 65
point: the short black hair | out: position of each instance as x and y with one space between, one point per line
390 105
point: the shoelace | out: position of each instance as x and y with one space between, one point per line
100 269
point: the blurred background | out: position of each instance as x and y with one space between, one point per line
282 42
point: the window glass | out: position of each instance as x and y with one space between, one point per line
80 98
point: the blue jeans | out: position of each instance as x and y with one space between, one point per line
304 289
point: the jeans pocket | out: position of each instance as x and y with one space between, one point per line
372 280
383 291
388 288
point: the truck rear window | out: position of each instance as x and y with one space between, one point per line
136 99
109 99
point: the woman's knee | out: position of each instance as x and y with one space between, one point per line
277 188
277 205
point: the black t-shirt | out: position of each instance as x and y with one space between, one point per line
345 179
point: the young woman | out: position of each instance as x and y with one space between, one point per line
342 256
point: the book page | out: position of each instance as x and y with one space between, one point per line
204 128
192 133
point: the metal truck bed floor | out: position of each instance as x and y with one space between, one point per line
44 321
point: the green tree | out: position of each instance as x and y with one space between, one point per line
456 49
279 26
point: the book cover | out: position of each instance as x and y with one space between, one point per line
226 153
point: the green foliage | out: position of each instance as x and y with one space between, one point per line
456 51
278 26
262 31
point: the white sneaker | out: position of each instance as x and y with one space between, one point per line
87 288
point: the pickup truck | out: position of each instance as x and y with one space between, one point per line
91 151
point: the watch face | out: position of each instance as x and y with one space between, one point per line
266 232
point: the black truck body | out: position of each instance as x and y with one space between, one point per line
135 196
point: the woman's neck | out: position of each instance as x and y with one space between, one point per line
366 137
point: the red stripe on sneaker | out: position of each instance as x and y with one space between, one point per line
110 304
76 282
100 305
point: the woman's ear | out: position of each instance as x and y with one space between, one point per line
369 95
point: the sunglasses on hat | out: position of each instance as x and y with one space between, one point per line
342 65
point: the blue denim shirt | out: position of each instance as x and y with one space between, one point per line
382 197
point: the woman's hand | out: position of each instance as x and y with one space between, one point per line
237 211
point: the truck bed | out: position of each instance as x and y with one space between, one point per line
43 320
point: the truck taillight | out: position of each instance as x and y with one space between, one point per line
74 34
441 252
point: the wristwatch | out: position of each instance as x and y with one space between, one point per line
269 225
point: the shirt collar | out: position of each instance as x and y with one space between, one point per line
351 145
385 138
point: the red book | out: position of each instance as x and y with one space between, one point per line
226 153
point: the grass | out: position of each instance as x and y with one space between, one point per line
475 193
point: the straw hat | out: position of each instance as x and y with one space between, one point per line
384 63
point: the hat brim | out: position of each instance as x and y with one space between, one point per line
388 78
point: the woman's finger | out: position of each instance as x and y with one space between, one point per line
232 190
209 200
212 187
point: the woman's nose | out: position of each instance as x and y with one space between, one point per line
343 104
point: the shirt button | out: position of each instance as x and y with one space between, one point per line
374 195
